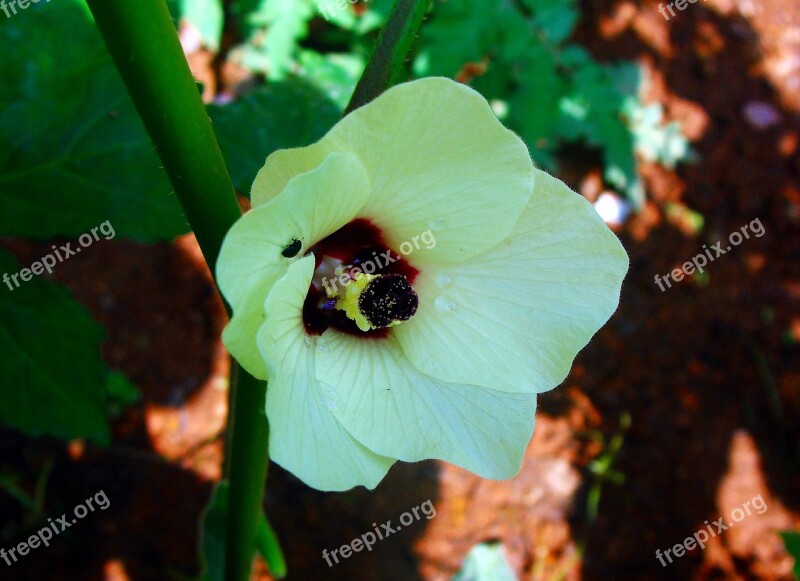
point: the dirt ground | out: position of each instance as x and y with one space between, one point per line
706 370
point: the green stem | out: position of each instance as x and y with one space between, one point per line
246 468
142 41
386 65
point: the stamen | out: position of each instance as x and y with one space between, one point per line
378 301
388 300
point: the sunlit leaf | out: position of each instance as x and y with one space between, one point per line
273 29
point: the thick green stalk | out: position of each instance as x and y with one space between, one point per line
142 41
386 66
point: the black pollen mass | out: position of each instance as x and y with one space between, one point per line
388 298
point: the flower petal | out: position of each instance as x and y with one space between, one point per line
385 403
251 258
515 317
239 336
311 206
438 159
305 438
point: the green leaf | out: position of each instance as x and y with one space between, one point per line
486 562
273 29
792 541
212 539
207 16
51 368
212 534
278 116
556 19
73 152
121 393
457 33
268 547
534 105
335 75
375 16
468 32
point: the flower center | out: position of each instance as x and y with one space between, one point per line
378 301
360 285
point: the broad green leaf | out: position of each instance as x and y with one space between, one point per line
54 379
207 16
73 152
212 539
278 116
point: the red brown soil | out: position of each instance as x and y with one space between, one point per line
708 372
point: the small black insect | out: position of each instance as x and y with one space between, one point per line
293 248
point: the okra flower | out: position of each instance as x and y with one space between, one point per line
408 285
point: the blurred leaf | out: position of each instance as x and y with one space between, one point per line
459 33
375 15
556 19
534 105
51 368
486 562
273 29
121 393
277 116
73 152
212 539
268 547
335 75
342 17
592 110
792 541
207 16
212 534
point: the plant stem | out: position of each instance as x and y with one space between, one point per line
247 463
144 45
387 62
142 41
